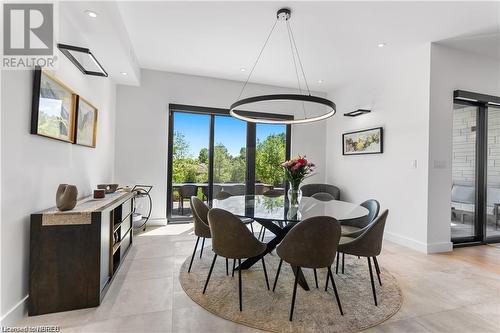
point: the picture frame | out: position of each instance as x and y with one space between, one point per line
363 142
85 123
53 107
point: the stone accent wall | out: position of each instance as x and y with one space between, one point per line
464 147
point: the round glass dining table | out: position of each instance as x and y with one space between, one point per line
276 215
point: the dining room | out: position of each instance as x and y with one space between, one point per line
256 166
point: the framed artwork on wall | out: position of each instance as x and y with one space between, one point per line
86 123
369 141
53 107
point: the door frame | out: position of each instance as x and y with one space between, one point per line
482 102
250 148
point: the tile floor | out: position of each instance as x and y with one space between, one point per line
443 293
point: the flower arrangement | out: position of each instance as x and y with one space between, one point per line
297 169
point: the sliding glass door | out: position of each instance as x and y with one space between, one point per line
475 192
211 152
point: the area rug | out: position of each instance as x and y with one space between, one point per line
315 310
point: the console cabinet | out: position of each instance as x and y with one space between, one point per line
75 254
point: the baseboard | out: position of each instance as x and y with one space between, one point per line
419 246
439 247
405 241
15 314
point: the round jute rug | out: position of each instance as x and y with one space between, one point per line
315 310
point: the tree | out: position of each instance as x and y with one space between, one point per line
181 146
203 156
270 153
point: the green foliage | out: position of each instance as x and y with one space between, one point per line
270 153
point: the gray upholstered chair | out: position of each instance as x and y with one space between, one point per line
355 227
352 227
201 228
232 239
312 243
261 188
310 189
186 191
368 244
323 196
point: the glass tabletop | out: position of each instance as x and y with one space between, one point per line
261 207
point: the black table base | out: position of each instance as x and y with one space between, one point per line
280 232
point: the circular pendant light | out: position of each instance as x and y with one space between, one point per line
282 15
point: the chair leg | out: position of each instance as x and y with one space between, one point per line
373 283
265 273
202 246
263 234
182 205
277 274
377 268
239 284
260 231
343 261
316 278
337 266
251 227
327 278
227 267
194 252
294 294
234 266
210 273
335 291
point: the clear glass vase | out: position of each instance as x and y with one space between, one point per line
294 196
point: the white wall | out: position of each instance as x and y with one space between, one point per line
450 70
141 126
33 166
397 91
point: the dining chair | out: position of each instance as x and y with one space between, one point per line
222 195
355 227
232 239
323 196
311 243
368 244
310 189
186 191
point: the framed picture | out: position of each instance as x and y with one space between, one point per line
369 141
86 123
53 108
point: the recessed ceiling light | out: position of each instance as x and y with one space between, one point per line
381 45
243 69
320 81
91 13
124 73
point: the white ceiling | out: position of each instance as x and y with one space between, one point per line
335 39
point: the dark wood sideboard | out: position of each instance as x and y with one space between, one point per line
75 254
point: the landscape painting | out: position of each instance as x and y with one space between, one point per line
362 142
86 123
53 109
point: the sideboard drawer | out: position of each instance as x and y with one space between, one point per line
126 209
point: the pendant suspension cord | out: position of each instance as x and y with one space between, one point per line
258 57
295 65
300 62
